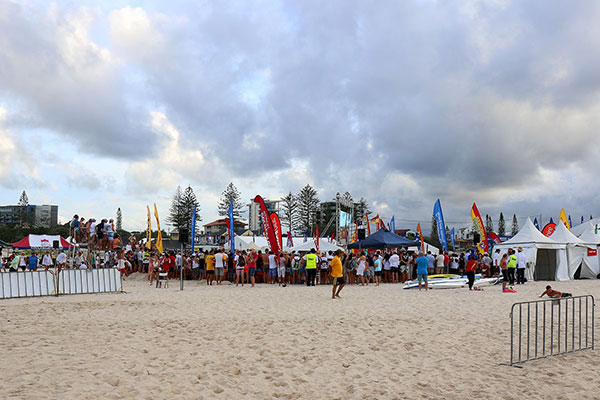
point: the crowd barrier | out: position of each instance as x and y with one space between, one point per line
545 328
45 283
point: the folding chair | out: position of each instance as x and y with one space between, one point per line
163 277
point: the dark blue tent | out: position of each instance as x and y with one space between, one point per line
383 239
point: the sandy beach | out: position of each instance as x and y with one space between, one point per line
287 343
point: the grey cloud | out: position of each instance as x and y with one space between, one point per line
470 96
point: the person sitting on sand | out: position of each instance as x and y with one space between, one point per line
554 294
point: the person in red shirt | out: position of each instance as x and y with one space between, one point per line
470 268
171 260
446 262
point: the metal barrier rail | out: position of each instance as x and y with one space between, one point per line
551 327
46 283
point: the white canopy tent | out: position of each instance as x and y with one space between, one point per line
324 245
591 263
546 258
576 248
577 230
428 247
261 243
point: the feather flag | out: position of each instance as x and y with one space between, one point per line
159 244
536 224
393 225
368 225
231 228
441 227
149 231
317 240
452 238
421 237
482 246
290 243
194 228
563 217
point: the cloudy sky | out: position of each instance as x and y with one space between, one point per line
107 104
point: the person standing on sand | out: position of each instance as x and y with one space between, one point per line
46 261
439 264
210 267
496 262
512 265
521 264
504 269
422 266
337 274
377 261
251 262
431 261
311 267
470 269
220 260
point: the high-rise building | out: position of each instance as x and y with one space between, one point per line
254 222
43 216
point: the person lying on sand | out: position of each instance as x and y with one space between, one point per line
554 294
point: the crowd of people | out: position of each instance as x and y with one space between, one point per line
105 249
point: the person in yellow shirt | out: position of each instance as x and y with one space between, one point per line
210 267
337 273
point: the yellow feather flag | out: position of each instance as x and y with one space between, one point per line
159 245
563 217
149 232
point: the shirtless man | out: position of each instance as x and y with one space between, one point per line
554 294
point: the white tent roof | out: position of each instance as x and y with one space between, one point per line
324 245
579 229
529 235
589 234
563 235
428 247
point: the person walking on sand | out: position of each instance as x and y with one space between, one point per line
470 269
422 264
337 274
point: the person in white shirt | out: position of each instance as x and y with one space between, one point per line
61 260
394 265
521 263
46 261
281 269
496 262
220 260
273 265
439 264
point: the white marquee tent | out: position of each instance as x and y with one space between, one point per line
546 258
576 249
591 264
261 243
577 230
324 245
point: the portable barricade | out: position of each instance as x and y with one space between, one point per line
545 328
69 281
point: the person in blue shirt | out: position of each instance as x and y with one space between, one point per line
33 262
422 264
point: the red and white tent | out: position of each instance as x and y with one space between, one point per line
40 242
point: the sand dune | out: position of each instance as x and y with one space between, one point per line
285 343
